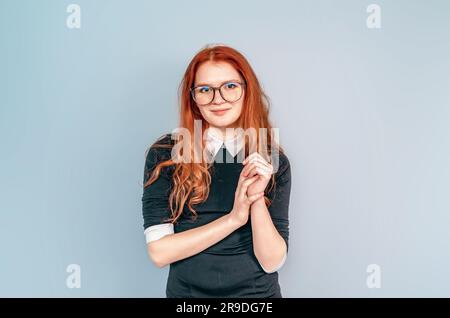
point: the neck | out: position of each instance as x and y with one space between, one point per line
220 131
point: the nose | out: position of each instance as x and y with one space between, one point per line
217 98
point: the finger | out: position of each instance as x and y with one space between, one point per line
255 197
255 156
265 165
259 169
244 169
249 157
241 177
242 180
244 172
248 168
263 172
252 172
246 183
260 160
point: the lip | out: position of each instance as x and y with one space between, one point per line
220 112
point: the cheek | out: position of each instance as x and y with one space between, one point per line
204 113
207 116
237 110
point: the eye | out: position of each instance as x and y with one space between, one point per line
230 85
204 89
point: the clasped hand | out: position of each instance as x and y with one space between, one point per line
253 180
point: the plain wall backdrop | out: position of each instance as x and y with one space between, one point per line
363 114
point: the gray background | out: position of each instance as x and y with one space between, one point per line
363 114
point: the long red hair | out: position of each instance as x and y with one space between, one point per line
191 180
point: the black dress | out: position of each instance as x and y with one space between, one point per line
228 268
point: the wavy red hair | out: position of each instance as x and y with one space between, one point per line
191 181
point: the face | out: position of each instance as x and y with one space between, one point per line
220 113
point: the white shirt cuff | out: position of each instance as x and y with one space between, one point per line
279 265
155 232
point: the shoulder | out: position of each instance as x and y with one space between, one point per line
284 160
164 140
160 149
281 159
282 167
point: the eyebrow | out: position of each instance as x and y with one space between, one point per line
208 84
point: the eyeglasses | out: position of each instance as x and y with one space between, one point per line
230 91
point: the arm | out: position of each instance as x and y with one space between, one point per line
269 247
177 246
270 225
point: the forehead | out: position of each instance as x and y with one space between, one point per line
215 73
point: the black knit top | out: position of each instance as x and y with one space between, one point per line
228 268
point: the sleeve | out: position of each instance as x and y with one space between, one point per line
155 198
280 196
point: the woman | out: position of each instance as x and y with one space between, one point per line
220 222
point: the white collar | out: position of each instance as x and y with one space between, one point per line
214 141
